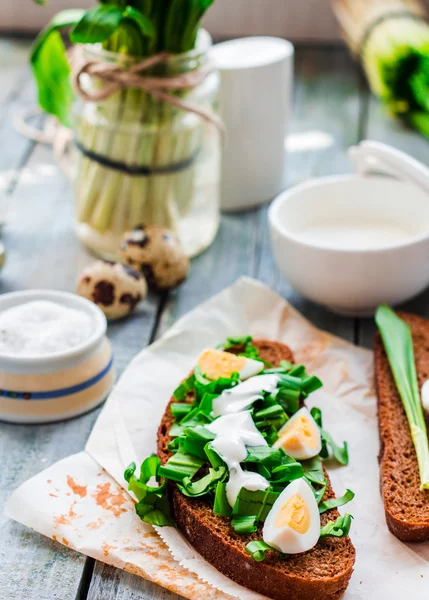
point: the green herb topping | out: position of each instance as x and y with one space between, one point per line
198 469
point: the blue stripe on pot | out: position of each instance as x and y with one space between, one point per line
51 395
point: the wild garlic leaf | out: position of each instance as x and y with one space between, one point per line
51 68
97 24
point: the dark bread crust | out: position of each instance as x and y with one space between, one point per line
406 506
320 573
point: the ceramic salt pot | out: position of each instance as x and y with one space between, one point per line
55 359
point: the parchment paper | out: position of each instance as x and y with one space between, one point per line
81 501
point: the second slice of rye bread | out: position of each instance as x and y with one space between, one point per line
406 506
322 573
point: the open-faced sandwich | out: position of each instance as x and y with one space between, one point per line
240 473
401 373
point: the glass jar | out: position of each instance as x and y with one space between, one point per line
140 160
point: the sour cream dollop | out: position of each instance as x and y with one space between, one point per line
43 328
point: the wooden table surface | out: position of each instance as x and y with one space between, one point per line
333 110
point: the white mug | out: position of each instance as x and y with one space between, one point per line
255 102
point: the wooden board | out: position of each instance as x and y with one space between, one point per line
332 111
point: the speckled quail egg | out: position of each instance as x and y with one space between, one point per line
155 252
115 288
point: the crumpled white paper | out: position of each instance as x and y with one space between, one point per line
80 501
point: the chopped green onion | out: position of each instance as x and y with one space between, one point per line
152 506
338 528
265 455
181 392
257 503
214 458
245 524
335 502
270 412
340 453
154 509
316 413
311 383
288 471
234 341
180 409
200 378
313 470
270 434
129 471
257 550
194 439
289 399
398 344
221 505
320 492
261 469
201 487
149 468
181 465
206 404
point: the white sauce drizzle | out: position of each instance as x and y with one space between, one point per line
244 394
233 433
425 395
235 429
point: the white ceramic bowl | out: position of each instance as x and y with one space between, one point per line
61 385
352 280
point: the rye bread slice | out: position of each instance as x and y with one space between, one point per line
322 573
406 507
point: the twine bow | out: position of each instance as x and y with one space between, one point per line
116 78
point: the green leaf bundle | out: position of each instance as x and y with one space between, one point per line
391 39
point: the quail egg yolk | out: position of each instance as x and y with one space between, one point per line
300 431
217 363
294 514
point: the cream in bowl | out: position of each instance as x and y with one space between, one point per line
55 359
352 242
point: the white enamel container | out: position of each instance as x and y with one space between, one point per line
40 389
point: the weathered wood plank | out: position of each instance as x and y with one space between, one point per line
43 252
108 582
13 66
327 100
382 128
